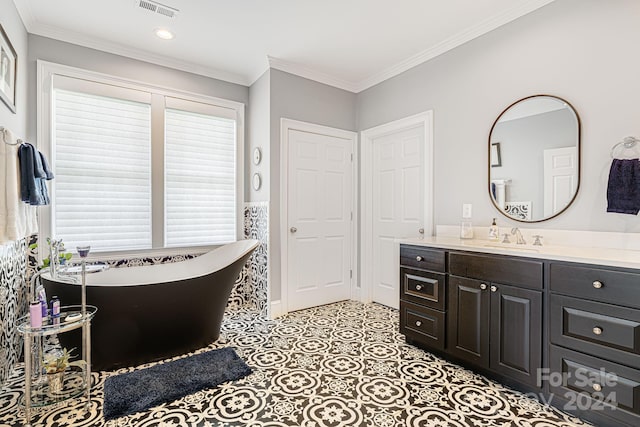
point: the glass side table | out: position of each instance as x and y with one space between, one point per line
38 388
49 390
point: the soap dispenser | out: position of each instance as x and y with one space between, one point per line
466 226
494 232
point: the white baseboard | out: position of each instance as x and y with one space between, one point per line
275 310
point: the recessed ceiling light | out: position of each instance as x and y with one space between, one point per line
164 34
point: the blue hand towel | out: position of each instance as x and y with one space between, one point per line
623 191
32 176
45 167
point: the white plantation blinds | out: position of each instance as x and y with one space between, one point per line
139 167
101 150
200 178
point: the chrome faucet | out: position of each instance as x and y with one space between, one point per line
519 239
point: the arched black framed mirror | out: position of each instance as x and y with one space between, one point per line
534 158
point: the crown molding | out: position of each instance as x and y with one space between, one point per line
34 27
308 73
452 42
27 16
118 49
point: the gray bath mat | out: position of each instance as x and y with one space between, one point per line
139 390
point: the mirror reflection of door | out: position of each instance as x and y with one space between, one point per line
560 178
537 175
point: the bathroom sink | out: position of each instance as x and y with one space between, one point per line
511 247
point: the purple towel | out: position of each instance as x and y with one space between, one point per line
623 191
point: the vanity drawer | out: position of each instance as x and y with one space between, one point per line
423 287
603 330
492 268
616 287
419 257
422 324
596 385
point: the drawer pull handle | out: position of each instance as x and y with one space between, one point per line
597 330
494 288
418 287
597 387
597 284
418 323
419 258
483 286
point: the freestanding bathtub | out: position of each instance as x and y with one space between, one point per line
148 313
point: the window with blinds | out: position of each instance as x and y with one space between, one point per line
200 179
102 163
137 169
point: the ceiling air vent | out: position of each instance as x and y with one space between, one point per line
159 8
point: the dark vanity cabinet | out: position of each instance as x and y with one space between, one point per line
595 339
491 312
422 296
481 309
495 314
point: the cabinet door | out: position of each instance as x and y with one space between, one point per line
468 320
516 332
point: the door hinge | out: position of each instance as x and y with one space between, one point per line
351 215
352 157
350 274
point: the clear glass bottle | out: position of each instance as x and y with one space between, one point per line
494 231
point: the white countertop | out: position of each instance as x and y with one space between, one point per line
588 255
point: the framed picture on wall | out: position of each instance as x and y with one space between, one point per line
8 70
496 160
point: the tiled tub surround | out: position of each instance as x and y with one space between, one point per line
13 303
342 364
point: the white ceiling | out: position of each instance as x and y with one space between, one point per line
351 44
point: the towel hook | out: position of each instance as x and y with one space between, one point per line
628 142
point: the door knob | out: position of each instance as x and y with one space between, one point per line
418 323
597 284
293 229
597 387
494 288
483 286
421 230
418 287
597 330
419 258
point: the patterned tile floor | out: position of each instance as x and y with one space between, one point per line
343 364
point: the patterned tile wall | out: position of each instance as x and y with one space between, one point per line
13 304
252 289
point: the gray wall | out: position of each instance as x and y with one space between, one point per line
90 59
584 51
297 98
258 127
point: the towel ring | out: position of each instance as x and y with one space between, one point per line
628 142
2 130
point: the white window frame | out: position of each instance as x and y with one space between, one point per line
45 75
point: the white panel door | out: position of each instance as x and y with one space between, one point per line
319 218
398 205
560 178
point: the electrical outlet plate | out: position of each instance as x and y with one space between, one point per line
466 210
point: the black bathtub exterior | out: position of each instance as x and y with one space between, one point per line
144 323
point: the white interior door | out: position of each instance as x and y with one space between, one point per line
560 178
398 205
319 218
